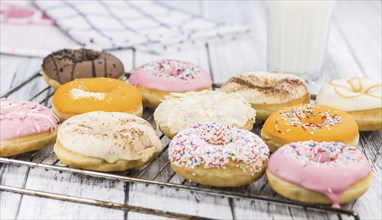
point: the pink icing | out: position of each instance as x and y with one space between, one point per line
329 168
171 76
22 118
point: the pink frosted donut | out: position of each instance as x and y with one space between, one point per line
25 126
313 172
157 79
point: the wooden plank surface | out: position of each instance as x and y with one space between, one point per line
353 49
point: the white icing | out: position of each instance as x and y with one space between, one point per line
108 135
339 93
263 79
79 94
180 110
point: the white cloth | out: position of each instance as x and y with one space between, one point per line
25 30
147 25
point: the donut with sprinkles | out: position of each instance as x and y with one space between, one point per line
309 122
157 79
218 155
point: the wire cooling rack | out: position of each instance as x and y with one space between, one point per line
150 174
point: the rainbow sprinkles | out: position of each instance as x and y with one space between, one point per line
173 68
295 116
312 153
214 145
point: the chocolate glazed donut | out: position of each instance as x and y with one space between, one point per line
66 65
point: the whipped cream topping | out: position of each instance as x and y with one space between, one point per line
267 87
354 94
110 136
180 110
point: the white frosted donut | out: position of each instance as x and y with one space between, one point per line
360 97
218 155
106 141
180 110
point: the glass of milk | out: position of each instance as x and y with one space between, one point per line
297 36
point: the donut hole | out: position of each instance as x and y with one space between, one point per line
269 83
173 68
174 71
84 55
79 93
77 56
95 87
217 138
312 120
323 157
324 152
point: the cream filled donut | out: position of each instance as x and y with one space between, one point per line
268 91
158 79
180 110
218 155
106 141
324 173
25 126
359 97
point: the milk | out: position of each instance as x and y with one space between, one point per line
297 36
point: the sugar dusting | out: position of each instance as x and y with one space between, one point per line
79 94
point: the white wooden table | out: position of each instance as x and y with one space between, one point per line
354 49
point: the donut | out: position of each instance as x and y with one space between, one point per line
106 141
268 91
359 97
66 65
322 173
180 110
96 94
25 126
309 122
155 80
219 155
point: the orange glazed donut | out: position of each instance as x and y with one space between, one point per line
309 122
96 94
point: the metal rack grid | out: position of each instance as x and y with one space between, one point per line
139 175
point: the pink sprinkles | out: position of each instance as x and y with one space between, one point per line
295 114
312 153
214 145
173 68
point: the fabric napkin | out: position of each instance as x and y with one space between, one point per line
147 25
25 30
